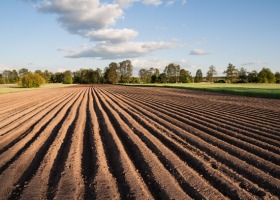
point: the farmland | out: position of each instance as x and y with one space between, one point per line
104 141
248 89
11 88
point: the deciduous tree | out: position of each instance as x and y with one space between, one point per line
231 73
211 73
198 76
266 76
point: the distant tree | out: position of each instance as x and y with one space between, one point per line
1 79
47 76
198 76
154 79
111 73
143 73
41 74
156 72
22 72
231 73
162 78
172 72
7 76
31 80
125 69
67 77
211 73
135 80
155 75
185 76
277 77
99 75
243 75
253 77
58 77
266 76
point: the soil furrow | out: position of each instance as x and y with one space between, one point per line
71 183
245 135
206 128
130 184
104 184
252 174
43 174
15 137
177 168
115 142
211 176
25 166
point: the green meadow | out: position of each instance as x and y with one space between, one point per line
254 90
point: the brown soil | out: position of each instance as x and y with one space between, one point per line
116 142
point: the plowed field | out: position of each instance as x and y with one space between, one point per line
116 142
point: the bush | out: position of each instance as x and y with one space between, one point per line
31 80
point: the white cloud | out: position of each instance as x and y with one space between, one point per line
112 35
106 51
152 2
125 3
94 20
198 52
78 16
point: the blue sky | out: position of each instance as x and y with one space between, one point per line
71 34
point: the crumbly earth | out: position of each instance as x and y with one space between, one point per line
116 142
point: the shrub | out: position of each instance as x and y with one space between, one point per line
31 80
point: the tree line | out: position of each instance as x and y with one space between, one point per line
122 73
174 74
114 73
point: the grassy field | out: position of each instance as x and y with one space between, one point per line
255 90
10 88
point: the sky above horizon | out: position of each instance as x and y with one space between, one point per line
71 34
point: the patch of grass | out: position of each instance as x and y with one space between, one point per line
11 88
254 90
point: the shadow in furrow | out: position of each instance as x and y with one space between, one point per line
12 143
188 189
27 145
113 156
61 158
136 157
89 157
36 162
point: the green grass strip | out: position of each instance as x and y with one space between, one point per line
253 90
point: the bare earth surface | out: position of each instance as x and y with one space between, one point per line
116 142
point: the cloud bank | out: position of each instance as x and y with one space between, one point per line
93 19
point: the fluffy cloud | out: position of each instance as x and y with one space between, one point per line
112 35
78 16
198 52
105 50
93 19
